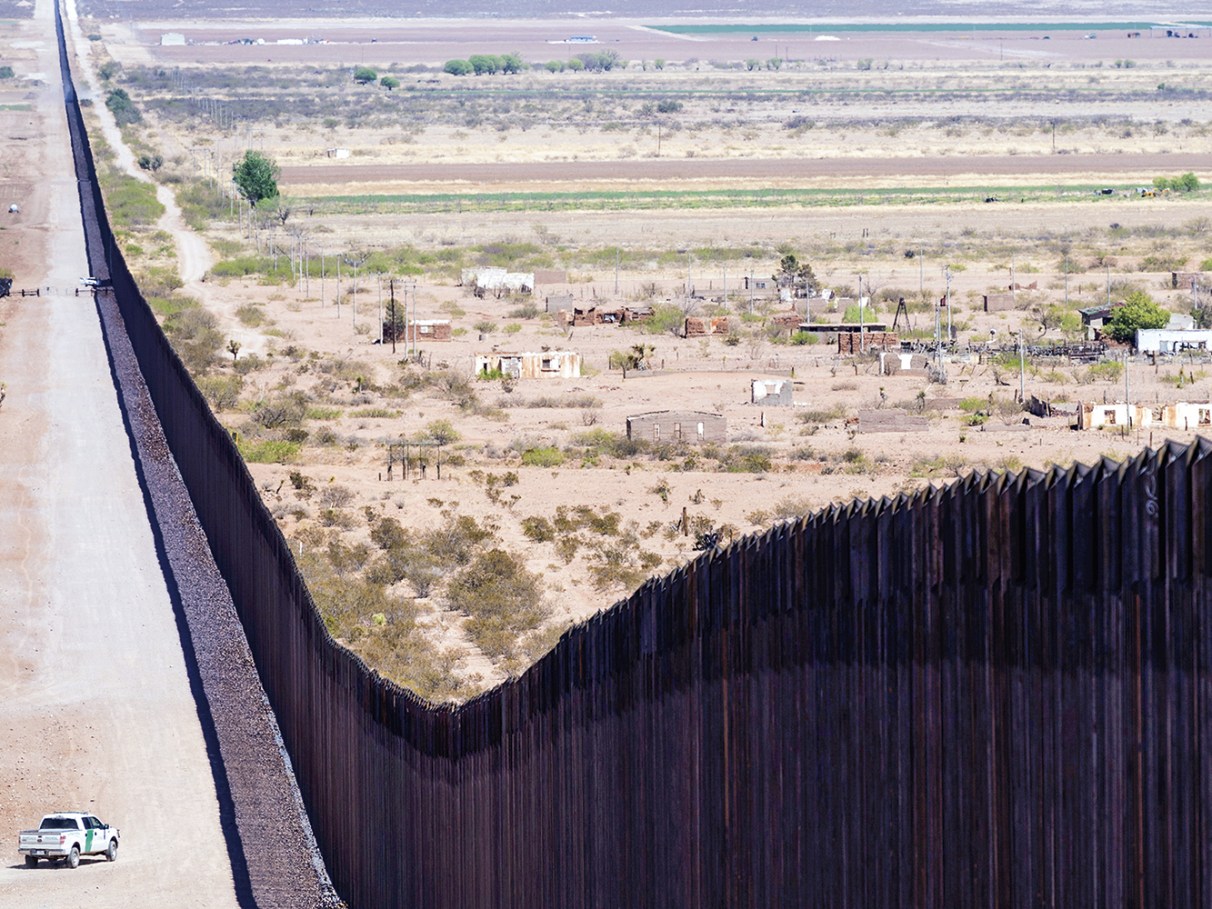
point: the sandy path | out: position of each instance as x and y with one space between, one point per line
779 170
193 254
95 706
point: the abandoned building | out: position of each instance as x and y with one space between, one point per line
761 286
1172 340
690 426
1095 317
583 316
788 322
497 281
901 363
699 327
855 342
559 302
772 392
547 364
428 330
1181 415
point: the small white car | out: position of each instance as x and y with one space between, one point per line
65 836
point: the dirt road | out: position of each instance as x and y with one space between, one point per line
95 705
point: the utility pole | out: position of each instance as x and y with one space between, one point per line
921 271
862 333
948 304
1127 398
1022 369
392 286
413 289
616 271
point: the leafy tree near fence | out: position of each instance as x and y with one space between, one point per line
1138 311
122 107
364 75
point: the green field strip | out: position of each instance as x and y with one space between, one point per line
641 200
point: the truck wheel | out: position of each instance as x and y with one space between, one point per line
111 854
73 857
31 861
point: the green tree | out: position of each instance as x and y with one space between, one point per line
122 107
6 72
796 273
364 75
391 83
512 63
1186 183
441 432
555 66
484 64
458 67
256 177
1138 311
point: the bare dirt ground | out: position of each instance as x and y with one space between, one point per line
598 133
770 171
95 707
435 41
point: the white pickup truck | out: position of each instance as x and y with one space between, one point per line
65 836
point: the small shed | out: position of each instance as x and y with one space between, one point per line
772 392
999 302
689 426
428 330
1095 317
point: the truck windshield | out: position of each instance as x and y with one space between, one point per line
60 823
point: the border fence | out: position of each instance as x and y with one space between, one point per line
994 694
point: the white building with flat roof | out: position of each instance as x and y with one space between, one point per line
1171 340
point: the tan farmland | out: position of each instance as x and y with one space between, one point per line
870 162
